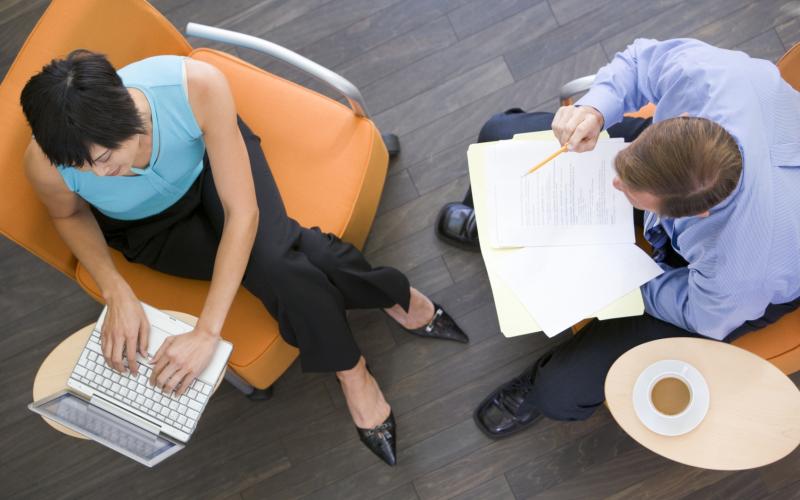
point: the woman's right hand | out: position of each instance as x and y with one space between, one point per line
125 329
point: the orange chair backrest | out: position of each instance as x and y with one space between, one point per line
789 66
124 30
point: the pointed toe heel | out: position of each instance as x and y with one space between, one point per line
381 439
441 326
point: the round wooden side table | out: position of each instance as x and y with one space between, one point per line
753 417
58 365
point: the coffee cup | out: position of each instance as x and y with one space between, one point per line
671 397
670 394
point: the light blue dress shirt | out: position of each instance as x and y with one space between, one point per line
746 254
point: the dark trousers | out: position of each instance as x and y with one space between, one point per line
569 380
305 278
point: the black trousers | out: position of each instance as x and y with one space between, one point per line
569 380
305 278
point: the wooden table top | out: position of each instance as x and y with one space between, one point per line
754 413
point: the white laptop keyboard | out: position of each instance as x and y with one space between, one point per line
181 413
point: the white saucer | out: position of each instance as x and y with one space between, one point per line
671 425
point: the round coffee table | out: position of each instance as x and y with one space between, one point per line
58 365
753 417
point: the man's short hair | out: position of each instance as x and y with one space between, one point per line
690 164
76 102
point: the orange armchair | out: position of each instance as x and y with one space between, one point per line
779 342
332 179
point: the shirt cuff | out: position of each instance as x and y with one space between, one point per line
605 102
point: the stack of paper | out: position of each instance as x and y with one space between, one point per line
559 243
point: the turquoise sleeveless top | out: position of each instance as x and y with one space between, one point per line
178 148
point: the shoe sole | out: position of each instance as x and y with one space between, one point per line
412 332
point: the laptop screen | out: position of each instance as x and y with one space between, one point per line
108 429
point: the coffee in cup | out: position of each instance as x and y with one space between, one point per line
670 395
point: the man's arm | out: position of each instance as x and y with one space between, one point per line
702 304
650 70
646 71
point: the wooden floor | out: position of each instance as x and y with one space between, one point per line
432 71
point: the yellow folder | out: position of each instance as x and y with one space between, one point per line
513 317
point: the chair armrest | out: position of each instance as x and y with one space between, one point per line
336 81
573 88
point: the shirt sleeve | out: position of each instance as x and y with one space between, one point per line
688 299
648 71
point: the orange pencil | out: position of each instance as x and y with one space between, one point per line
547 160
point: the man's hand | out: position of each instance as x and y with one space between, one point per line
578 126
180 359
125 328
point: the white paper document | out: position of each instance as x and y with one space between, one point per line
567 247
569 201
559 286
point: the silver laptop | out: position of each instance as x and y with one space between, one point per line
126 413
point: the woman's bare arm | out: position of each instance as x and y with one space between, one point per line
78 228
213 105
182 358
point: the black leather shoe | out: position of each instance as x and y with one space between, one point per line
501 414
441 326
456 225
381 440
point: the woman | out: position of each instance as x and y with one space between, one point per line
154 162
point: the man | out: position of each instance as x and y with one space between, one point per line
716 177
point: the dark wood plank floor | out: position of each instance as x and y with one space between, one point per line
432 71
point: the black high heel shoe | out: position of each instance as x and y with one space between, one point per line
381 439
441 326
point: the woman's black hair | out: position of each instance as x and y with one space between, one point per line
76 102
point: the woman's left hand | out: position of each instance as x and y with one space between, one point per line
180 359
